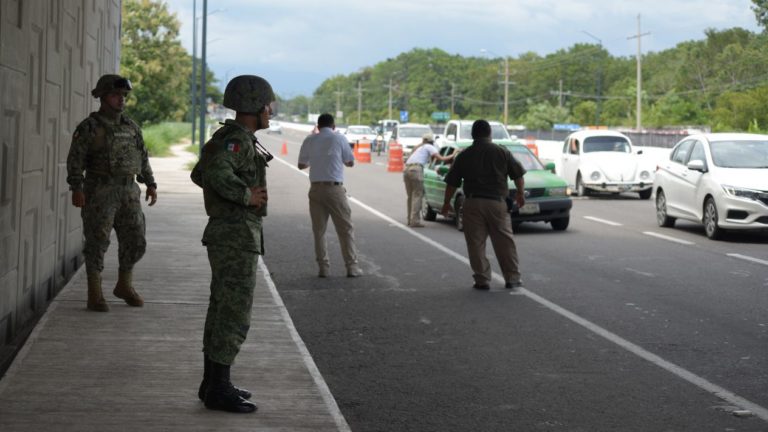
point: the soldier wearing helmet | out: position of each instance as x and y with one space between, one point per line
232 173
106 158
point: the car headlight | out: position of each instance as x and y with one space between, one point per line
645 175
558 191
595 176
741 192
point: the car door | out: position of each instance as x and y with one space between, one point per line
434 185
690 180
571 156
675 170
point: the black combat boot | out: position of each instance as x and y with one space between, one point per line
221 394
243 393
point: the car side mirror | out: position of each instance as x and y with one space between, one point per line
550 167
697 165
443 170
639 152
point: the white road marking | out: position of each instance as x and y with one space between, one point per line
603 221
325 392
642 273
668 238
748 258
676 370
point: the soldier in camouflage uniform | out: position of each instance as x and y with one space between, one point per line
232 173
108 147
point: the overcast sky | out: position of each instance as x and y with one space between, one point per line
296 44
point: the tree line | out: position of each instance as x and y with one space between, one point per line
720 81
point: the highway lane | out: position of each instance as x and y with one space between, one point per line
411 347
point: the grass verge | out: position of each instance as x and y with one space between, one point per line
160 137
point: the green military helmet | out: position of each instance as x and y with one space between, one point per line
248 94
109 83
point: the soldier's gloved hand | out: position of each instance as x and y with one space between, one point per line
78 198
258 196
151 193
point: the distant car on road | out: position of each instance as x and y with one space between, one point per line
546 194
719 180
359 132
604 161
409 135
275 127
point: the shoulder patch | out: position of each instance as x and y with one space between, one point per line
234 145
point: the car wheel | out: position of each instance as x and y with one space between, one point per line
427 213
661 211
581 190
458 216
560 224
711 228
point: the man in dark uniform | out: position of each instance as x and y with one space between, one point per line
232 173
484 168
108 147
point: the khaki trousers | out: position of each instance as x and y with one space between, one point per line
331 200
414 187
484 218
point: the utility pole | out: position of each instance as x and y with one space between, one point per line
359 100
560 97
599 79
639 36
453 95
194 71
338 94
203 95
389 112
506 90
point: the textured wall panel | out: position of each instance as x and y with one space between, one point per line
51 54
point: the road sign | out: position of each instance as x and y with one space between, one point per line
404 116
441 116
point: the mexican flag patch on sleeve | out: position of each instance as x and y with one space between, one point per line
233 146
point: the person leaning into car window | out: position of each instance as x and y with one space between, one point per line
484 168
413 176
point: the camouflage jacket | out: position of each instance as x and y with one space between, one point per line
103 148
229 166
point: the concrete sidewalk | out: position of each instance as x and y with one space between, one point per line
137 369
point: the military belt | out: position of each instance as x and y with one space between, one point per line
113 180
328 183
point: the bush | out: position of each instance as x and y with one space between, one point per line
160 137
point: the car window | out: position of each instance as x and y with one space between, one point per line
525 157
740 154
680 154
451 130
413 132
697 153
606 143
360 131
444 151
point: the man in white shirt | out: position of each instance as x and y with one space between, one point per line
325 154
413 176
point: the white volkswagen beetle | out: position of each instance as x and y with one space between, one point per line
604 161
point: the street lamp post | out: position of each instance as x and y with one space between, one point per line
599 79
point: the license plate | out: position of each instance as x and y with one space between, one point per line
529 209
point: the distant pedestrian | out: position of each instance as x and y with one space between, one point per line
325 154
413 176
484 168
233 174
105 159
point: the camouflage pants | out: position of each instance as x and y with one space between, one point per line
229 308
109 206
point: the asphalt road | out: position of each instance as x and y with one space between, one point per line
622 326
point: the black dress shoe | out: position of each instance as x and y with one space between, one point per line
483 287
225 398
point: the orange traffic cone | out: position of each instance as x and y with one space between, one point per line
284 150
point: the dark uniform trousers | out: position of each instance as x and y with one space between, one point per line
485 218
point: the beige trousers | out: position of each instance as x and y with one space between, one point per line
484 218
331 200
413 176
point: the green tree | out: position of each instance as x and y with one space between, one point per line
153 59
760 8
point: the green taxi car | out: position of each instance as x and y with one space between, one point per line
546 199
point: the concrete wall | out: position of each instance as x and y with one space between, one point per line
51 54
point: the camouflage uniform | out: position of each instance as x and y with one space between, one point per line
229 166
110 154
